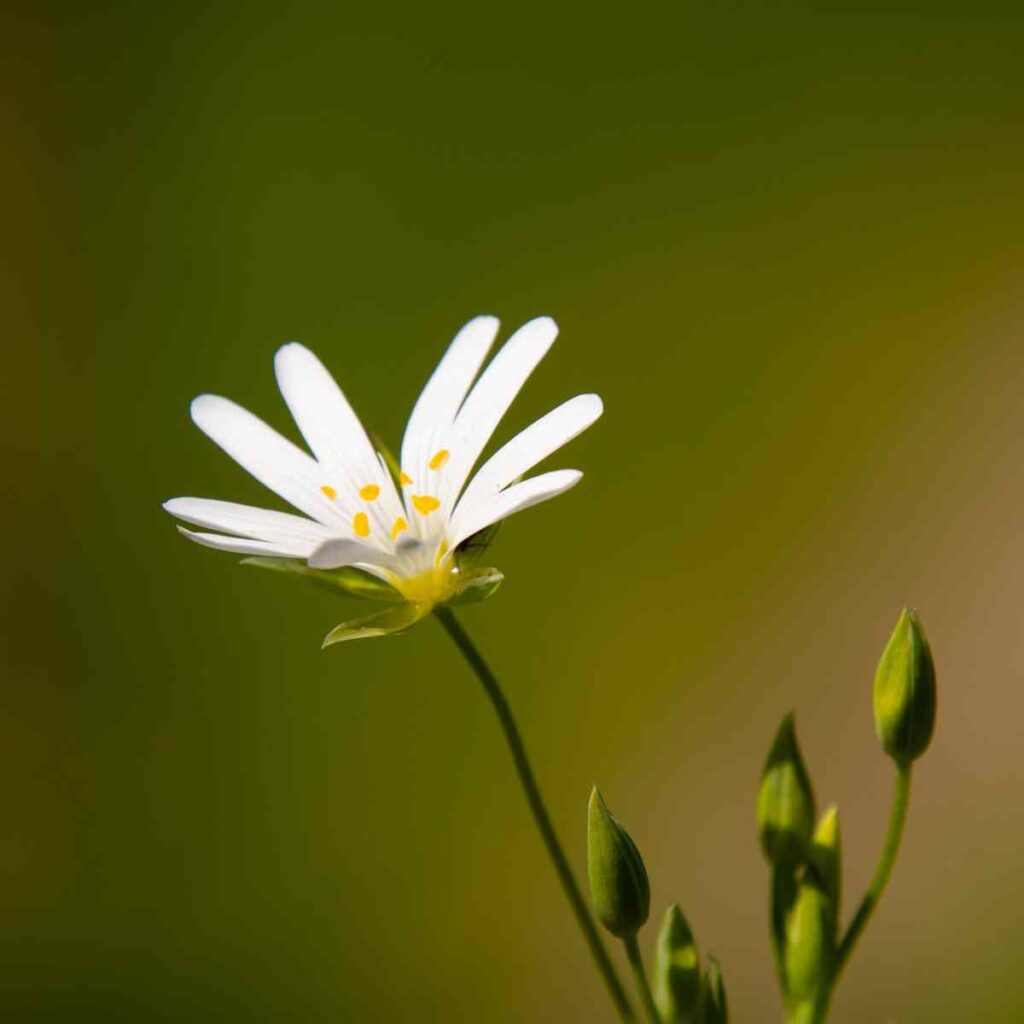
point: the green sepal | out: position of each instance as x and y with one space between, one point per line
351 581
785 801
386 623
716 1009
677 981
476 585
904 692
618 879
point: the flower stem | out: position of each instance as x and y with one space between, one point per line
636 961
515 744
886 859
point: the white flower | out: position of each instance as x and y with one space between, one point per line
404 532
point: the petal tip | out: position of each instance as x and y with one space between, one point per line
543 323
290 349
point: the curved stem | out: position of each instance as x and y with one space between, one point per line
540 815
636 961
886 859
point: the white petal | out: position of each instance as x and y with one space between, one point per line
491 397
246 546
272 459
440 399
531 446
246 521
341 551
471 519
331 428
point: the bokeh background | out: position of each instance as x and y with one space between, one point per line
782 240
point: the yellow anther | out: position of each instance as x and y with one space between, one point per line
361 524
425 503
369 492
438 459
404 479
329 491
400 525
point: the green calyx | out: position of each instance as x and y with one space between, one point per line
904 691
618 879
466 584
785 801
677 980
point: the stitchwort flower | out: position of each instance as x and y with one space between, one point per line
369 526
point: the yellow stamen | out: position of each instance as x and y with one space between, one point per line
329 491
404 479
369 492
400 525
425 503
438 459
361 524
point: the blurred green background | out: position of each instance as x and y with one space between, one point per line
783 242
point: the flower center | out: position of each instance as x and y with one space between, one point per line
430 587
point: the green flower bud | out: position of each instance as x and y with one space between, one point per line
809 958
618 879
826 857
716 1010
904 692
785 802
677 982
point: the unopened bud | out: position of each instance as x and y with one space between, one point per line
810 944
826 857
785 801
677 982
618 879
716 1010
904 692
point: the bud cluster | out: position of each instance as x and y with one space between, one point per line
806 857
803 849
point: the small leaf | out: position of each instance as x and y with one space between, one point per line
476 585
385 623
349 580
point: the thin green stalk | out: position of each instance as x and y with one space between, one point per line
540 815
636 961
886 859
